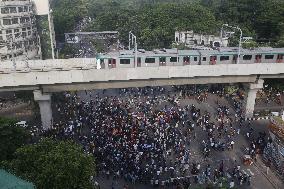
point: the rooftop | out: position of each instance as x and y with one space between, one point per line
174 52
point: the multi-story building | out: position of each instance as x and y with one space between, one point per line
191 39
18 32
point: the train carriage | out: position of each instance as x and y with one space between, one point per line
189 57
174 57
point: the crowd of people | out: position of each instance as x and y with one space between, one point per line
152 135
270 95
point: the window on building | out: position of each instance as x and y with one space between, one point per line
18 45
150 60
24 20
24 34
124 61
173 59
15 21
224 58
7 22
13 10
4 10
247 57
195 58
9 31
26 9
204 59
20 9
269 57
17 35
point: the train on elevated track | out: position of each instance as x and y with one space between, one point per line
175 57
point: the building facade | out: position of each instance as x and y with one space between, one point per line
191 39
18 32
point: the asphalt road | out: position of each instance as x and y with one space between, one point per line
257 170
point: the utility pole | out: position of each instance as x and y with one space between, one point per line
50 31
133 40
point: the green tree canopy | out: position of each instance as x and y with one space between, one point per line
155 21
11 138
155 25
51 164
67 13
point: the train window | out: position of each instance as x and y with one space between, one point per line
204 59
247 57
124 61
173 59
269 57
224 58
195 58
150 60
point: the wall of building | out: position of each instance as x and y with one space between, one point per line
18 32
192 39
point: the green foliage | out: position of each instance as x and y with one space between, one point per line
68 50
155 21
11 137
52 164
67 13
99 46
155 25
44 33
261 19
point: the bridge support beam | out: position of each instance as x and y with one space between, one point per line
44 101
251 97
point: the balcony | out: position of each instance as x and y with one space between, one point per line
12 3
14 26
18 14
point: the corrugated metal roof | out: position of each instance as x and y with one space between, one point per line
9 181
175 52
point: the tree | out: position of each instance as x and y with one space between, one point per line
155 25
11 137
52 164
67 13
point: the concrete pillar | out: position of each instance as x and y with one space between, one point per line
44 101
250 103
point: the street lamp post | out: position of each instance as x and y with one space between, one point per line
240 41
